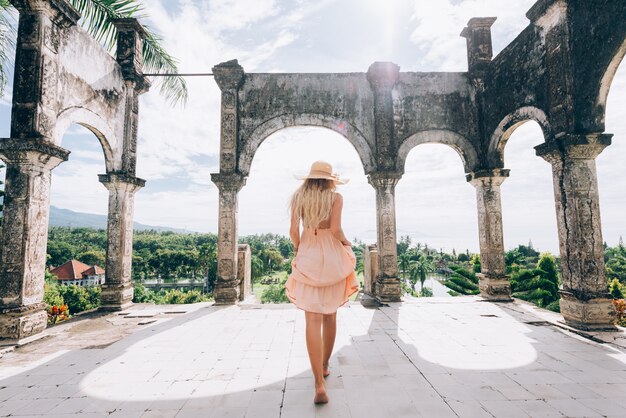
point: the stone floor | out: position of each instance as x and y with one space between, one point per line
432 357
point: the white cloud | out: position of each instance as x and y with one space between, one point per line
440 22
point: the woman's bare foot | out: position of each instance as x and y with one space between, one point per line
326 371
320 395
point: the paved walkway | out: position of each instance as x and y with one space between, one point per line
432 357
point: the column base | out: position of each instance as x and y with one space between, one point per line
591 315
494 289
388 290
227 292
23 324
116 297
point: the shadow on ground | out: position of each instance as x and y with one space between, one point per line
443 357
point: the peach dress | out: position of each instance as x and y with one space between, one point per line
322 276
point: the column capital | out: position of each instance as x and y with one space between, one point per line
228 181
61 12
495 177
383 75
382 179
228 75
478 36
35 152
129 55
115 180
574 147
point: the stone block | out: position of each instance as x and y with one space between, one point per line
116 297
244 271
590 315
22 325
495 289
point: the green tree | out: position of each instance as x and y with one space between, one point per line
97 18
419 270
93 258
475 261
404 263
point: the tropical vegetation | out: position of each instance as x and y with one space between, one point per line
97 18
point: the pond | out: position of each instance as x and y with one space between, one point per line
433 282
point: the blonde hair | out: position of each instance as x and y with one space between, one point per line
313 201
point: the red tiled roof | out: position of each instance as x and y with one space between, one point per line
75 270
93 271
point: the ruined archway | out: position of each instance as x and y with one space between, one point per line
64 76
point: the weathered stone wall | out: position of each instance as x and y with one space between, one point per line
341 102
557 72
63 76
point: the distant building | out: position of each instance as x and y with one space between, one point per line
75 272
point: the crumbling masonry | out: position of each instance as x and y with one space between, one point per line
557 72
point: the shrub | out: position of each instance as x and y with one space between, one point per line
554 306
51 295
462 281
274 293
620 311
171 296
426 292
616 289
78 298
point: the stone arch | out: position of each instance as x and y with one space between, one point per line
90 120
607 80
459 143
504 130
267 128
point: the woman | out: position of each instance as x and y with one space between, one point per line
322 277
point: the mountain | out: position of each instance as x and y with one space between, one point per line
66 217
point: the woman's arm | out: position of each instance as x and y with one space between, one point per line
335 220
294 231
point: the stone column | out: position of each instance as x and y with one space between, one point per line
244 271
24 236
493 282
227 287
382 76
370 268
585 301
387 287
117 291
35 87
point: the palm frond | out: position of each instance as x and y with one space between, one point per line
97 20
8 34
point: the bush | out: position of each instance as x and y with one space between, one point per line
171 296
462 281
426 293
274 293
554 306
52 296
616 289
78 298
620 312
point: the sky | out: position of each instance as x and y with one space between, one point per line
178 147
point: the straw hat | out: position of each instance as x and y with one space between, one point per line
323 170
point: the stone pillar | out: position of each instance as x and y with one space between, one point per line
585 301
479 49
229 76
227 287
387 287
382 76
244 270
24 236
493 282
117 291
370 268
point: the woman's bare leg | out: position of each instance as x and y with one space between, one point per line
314 347
329 331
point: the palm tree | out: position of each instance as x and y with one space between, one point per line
419 270
404 262
97 16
